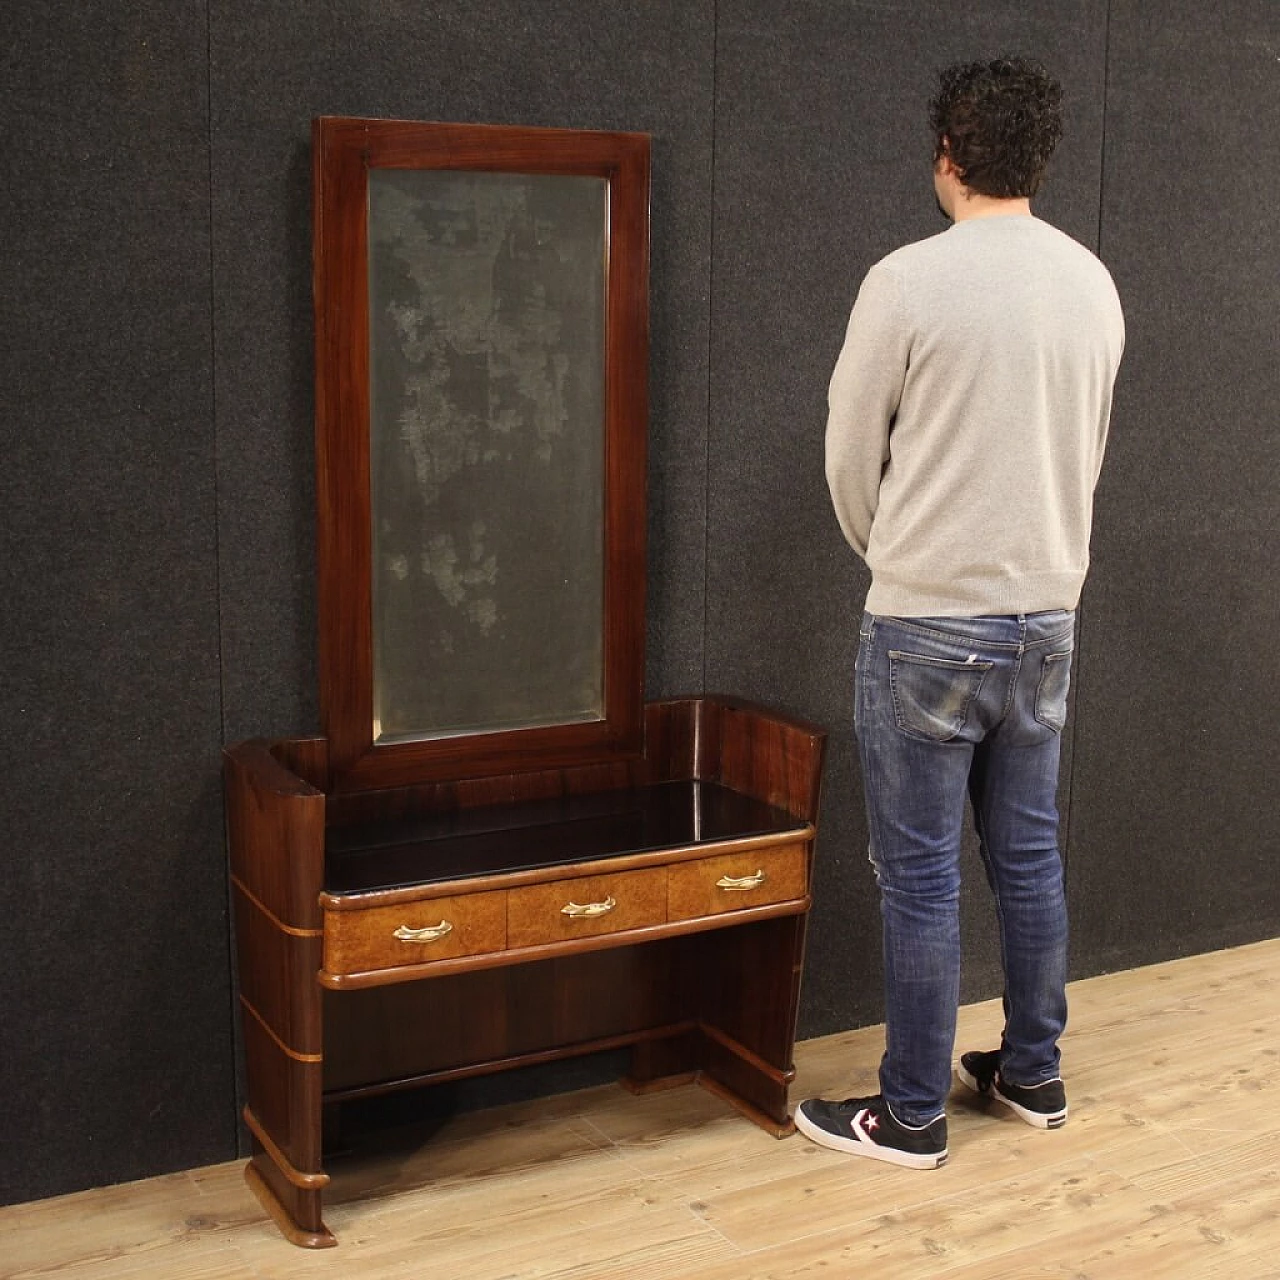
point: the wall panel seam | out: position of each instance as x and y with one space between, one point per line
1076 736
1102 142
233 1012
711 319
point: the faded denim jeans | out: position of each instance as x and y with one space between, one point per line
947 707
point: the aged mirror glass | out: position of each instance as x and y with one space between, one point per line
486 436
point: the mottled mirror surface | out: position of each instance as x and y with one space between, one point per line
486 329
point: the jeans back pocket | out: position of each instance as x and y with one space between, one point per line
1051 692
932 696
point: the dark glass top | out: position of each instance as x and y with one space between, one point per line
543 833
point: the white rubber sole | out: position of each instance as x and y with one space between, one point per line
1036 1119
854 1146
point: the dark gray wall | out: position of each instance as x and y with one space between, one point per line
155 386
1174 841
115 1057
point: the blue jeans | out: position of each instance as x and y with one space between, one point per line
947 707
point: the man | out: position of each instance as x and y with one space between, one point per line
968 414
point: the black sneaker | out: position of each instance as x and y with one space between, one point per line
866 1127
1044 1106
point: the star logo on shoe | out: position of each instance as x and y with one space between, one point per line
870 1122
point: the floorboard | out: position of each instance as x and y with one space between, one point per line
1167 1168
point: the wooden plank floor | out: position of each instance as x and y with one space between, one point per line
1168 1166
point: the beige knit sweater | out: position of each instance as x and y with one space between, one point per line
968 414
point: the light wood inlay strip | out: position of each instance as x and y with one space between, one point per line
284 1048
271 915
305 1181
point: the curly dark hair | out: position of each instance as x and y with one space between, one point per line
999 122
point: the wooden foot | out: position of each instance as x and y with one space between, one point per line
778 1129
322 1239
658 1084
664 1062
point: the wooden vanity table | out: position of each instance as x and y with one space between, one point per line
474 870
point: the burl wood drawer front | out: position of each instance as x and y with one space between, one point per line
414 932
734 881
586 907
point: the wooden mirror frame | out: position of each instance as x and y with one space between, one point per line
344 150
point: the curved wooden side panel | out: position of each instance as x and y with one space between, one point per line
275 831
750 984
740 744
760 753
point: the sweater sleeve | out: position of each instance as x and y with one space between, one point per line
862 400
1104 413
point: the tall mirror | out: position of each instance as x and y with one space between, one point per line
481 308
486 437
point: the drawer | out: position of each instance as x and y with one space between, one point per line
733 881
586 907
414 932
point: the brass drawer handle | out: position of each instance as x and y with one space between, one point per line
589 910
742 882
432 933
